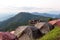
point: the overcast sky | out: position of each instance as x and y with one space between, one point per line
9 6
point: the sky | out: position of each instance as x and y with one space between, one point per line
11 7
15 6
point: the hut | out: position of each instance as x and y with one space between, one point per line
44 27
27 33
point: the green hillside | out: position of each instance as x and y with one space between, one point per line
53 35
21 18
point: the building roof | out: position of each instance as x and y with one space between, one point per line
53 22
30 31
20 30
40 25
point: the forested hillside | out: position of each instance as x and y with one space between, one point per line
21 18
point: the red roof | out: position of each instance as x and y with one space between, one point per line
58 23
55 22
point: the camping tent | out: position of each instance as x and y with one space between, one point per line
44 27
27 33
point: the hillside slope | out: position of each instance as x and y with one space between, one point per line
5 16
53 35
21 18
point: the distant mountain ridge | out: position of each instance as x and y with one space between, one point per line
52 15
5 16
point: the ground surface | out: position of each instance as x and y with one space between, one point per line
53 35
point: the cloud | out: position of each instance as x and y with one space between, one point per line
8 6
30 3
25 9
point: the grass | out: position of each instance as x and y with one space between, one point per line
53 35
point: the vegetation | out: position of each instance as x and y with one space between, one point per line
19 20
53 35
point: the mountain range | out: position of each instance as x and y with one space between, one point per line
52 14
5 16
20 19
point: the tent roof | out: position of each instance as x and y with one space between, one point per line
53 22
20 30
40 25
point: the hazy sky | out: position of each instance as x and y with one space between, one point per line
15 6
7 6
